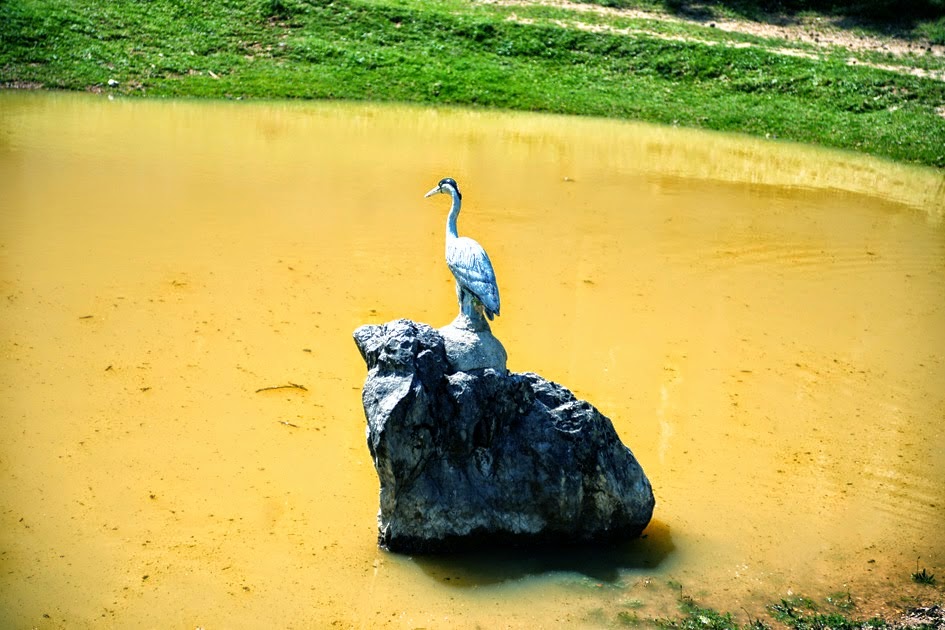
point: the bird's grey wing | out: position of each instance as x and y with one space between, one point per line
472 268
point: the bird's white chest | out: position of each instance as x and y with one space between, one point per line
464 252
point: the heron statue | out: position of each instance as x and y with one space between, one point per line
476 288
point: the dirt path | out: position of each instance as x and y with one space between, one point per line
806 36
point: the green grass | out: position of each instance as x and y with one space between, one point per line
933 30
796 613
695 617
456 52
801 613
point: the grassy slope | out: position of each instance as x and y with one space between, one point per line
451 51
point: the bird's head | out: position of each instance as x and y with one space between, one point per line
446 186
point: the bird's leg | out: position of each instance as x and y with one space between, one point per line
466 298
470 311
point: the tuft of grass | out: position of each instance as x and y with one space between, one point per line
801 613
696 617
628 619
842 601
934 31
795 613
922 577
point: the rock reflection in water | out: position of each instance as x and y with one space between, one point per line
601 563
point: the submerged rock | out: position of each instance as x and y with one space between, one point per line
484 456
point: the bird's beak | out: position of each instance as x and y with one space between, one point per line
432 192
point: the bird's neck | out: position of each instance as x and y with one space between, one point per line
451 219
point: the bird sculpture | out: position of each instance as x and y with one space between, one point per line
476 288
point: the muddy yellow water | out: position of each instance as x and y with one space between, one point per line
764 323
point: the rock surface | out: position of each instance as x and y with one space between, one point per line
485 457
470 345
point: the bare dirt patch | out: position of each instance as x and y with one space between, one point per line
815 34
827 32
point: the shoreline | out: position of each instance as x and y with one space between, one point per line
809 81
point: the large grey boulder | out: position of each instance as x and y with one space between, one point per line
485 457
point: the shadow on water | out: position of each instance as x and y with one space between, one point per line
602 562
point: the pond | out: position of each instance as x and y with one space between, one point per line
763 322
